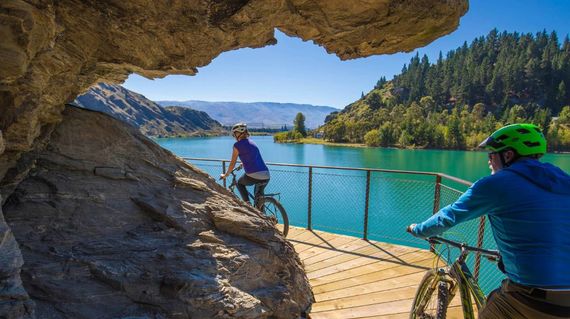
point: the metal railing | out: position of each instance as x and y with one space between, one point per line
371 203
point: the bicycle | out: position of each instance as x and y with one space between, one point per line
267 204
447 280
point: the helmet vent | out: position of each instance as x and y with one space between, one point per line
531 144
523 131
502 137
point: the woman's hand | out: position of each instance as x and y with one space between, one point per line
223 176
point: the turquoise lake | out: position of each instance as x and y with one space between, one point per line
465 165
338 197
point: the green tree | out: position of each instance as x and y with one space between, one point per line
372 138
299 124
564 117
561 93
374 100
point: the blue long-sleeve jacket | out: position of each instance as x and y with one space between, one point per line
528 205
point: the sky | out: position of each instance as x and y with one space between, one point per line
294 71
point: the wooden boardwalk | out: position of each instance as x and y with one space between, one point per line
354 278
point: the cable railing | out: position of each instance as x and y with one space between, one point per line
370 203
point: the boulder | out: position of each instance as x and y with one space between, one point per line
118 227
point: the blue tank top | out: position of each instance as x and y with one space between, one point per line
250 156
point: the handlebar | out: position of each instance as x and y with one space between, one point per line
237 168
490 254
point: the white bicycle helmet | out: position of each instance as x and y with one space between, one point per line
239 128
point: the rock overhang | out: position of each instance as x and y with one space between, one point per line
51 51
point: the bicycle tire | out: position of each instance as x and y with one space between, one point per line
421 308
273 208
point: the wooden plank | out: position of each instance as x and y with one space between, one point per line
363 290
350 263
347 247
317 242
386 308
407 260
369 278
379 310
452 313
294 231
347 261
302 236
333 246
407 292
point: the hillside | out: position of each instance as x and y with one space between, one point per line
151 118
456 102
267 114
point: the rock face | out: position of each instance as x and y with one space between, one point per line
150 118
51 51
119 227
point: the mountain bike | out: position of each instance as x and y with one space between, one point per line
439 286
268 204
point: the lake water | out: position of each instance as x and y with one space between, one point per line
338 196
465 165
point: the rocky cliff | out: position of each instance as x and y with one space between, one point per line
121 228
150 118
52 51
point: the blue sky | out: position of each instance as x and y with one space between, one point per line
302 72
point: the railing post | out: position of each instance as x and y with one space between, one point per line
309 215
436 199
224 171
366 205
480 237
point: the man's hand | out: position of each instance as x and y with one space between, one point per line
410 228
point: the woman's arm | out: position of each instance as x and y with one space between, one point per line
235 154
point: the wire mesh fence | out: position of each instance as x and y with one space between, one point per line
373 204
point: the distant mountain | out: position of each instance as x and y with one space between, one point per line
257 114
151 118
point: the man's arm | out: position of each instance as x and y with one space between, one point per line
475 202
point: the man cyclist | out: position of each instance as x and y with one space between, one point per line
528 205
256 172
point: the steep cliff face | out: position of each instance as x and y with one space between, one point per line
54 50
150 118
119 227
51 51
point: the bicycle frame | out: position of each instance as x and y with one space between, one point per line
233 184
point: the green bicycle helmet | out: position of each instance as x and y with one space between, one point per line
525 139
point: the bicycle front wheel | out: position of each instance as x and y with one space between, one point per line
275 211
432 297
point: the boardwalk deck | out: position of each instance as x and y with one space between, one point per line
354 278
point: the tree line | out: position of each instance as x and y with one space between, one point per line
459 100
298 132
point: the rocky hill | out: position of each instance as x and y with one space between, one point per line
150 118
257 114
457 101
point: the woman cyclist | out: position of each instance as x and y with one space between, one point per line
256 172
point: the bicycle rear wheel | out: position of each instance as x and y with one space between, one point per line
275 211
432 298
